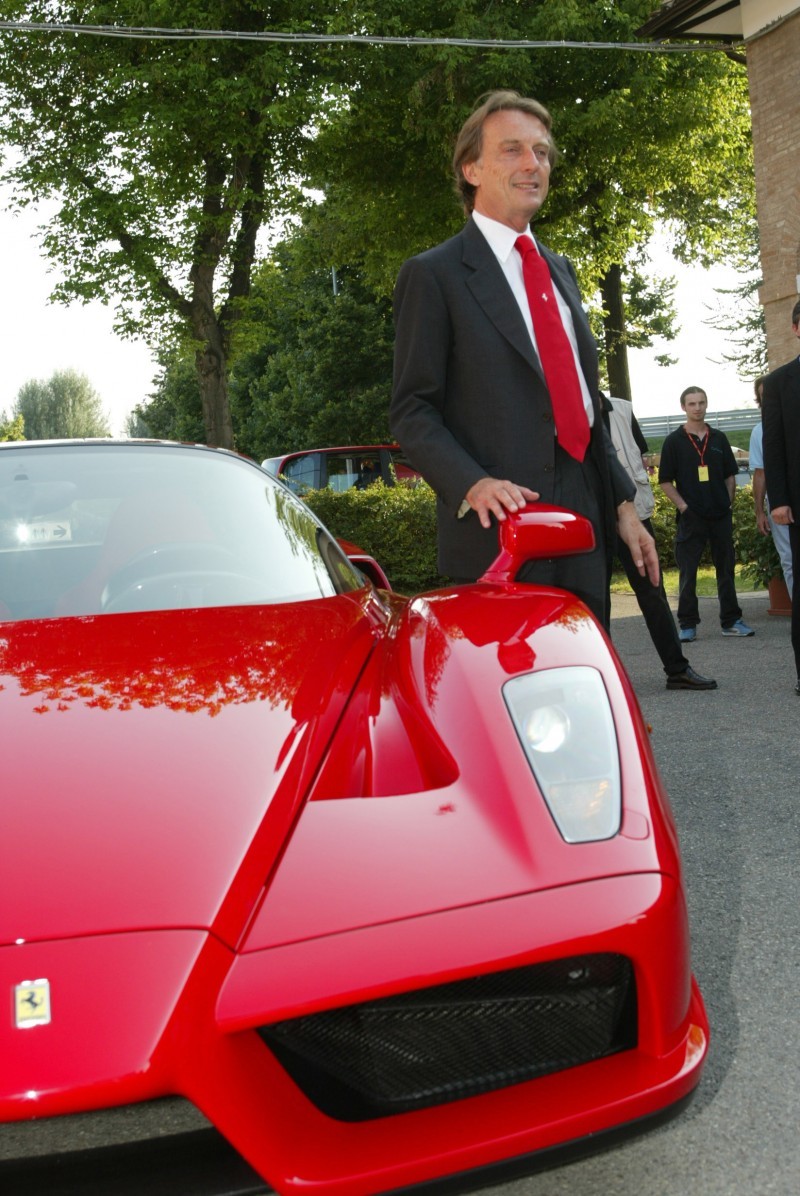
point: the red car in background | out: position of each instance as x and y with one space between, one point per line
381 890
341 468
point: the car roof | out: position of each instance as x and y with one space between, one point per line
122 442
341 448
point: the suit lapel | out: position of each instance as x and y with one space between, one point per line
488 284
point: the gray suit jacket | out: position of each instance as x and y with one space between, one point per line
469 398
781 415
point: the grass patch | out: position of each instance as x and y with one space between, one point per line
706 582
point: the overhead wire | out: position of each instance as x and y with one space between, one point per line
369 39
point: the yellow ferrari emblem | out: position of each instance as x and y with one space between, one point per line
32 1003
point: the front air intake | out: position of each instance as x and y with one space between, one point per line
461 1039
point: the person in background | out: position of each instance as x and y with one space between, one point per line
764 521
630 444
781 415
698 475
495 396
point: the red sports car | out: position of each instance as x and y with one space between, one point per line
388 889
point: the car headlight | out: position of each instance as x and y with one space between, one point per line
564 722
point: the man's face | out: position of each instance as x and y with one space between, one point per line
695 405
796 329
512 175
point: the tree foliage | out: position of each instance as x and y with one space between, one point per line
166 156
644 138
12 429
314 365
175 410
63 407
320 369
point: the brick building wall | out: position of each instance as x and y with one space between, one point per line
773 67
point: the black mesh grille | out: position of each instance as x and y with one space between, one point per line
456 1040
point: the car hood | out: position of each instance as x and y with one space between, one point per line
154 763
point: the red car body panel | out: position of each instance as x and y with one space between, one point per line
136 842
218 819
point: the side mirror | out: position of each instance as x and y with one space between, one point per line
538 532
366 563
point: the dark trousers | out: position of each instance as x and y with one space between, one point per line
694 532
794 541
654 605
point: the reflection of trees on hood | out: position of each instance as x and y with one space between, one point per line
485 615
201 660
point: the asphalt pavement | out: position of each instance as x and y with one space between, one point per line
730 759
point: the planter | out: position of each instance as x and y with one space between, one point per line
779 601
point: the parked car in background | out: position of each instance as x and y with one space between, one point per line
341 468
385 889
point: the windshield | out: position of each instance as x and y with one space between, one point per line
106 528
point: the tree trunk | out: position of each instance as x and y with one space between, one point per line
211 356
619 382
212 377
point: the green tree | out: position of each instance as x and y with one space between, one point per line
166 156
645 138
319 366
12 429
169 156
175 410
63 407
314 364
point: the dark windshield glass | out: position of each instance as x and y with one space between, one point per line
99 528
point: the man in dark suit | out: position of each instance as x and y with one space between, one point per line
470 405
781 417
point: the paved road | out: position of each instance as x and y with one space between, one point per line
731 763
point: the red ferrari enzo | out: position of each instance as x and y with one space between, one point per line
386 889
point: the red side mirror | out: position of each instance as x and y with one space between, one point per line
536 533
367 564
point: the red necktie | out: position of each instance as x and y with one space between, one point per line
555 352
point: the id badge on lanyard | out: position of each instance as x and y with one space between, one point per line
702 468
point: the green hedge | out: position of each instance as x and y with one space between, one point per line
397 525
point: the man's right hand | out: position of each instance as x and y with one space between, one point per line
762 522
783 516
490 496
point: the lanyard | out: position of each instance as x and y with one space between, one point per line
701 452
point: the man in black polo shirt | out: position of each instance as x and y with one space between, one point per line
698 474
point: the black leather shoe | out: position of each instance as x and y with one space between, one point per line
797 686
689 679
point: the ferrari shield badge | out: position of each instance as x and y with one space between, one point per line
32 1003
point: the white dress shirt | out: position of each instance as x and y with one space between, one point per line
501 240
